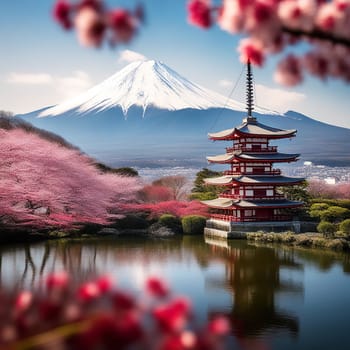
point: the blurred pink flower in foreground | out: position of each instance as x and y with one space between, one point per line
94 23
270 26
90 316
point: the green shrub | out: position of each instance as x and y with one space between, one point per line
316 213
170 221
203 196
334 214
326 228
193 224
344 203
319 206
345 226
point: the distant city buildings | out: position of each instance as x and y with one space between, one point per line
330 175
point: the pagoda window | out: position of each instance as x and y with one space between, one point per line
258 170
269 193
249 212
260 192
256 147
241 192
249 193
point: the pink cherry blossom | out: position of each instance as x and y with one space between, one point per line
289 71
62 13
123 25
23 301
157 287
173 317
251 50
57 281
231 17
88 292
219 326
90 26
316 64
199 13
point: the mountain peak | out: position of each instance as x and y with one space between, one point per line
146 83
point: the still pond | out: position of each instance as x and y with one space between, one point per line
276 297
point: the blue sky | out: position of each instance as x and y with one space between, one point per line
42 65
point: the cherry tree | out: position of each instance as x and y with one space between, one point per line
176 185
173 207
45 184
155 194
273 26
320 189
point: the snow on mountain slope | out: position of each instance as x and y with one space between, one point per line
146 84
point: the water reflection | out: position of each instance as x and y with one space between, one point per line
258 282
254 279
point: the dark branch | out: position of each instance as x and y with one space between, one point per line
317 34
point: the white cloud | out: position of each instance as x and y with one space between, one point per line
30 78
279 100
225 83
40 90
129 56
73 85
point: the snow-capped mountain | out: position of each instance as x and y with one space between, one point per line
179 115
147 84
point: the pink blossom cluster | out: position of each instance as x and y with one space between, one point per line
319 189
155 194
94 22
44 184
173 207
97 314
271 26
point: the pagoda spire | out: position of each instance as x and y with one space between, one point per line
250 90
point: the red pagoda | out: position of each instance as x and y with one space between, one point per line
250 192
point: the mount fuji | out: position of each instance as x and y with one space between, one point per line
147 114
146 84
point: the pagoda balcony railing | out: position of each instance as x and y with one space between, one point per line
250 218
268 149
262 197
271 172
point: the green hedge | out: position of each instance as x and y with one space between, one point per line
335 214
193 224
170 221
344 203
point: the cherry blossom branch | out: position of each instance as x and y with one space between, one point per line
270 26
316 34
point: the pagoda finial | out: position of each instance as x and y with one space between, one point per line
250 90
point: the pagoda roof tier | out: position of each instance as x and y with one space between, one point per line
252 128
253 180
227 203
252 157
